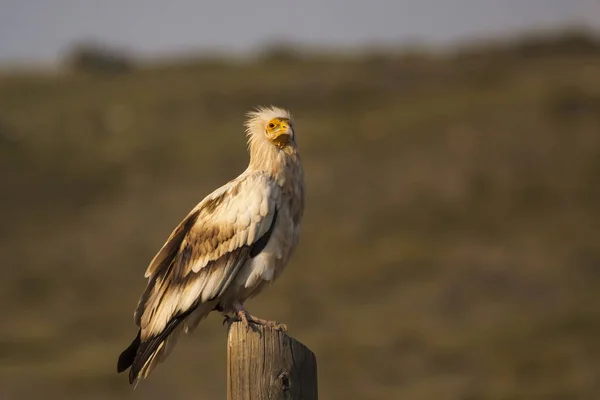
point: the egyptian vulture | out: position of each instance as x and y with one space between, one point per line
233 243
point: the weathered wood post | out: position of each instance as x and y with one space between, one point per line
264 363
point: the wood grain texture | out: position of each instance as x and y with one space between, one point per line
268 364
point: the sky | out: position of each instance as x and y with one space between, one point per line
40 31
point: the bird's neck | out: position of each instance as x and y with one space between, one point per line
283 165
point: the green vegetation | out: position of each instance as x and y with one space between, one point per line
451 246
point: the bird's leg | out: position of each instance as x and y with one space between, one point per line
247 318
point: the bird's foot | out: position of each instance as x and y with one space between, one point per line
248 320
265 322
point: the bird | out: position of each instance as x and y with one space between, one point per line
228 248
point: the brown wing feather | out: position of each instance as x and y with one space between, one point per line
163 260
197 263
206 250
171 246
150 347
173 283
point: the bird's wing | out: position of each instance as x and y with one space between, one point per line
203 254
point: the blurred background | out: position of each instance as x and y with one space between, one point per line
451 243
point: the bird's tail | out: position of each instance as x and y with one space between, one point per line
143 356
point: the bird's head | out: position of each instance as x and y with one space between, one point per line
270 124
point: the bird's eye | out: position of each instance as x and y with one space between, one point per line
271 125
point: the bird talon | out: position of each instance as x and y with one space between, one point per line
270 324
280 327
252 322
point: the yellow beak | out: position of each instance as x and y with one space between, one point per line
283 135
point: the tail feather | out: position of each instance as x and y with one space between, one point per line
128 355
154 350
142 356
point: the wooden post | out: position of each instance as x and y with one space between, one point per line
264 363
